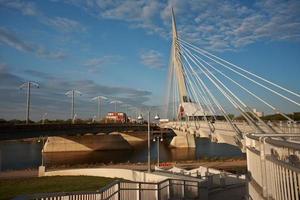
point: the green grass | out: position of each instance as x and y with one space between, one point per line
10 188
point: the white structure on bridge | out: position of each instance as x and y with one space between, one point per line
200 87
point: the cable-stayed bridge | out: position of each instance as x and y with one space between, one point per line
202 86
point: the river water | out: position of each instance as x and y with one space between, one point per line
23 155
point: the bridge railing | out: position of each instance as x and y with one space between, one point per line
127 190
286 127
273 166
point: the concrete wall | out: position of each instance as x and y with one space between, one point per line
110 173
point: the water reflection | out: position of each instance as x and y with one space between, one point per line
19 155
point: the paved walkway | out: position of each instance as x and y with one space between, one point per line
136 166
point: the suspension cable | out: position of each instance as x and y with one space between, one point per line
232 101
237 67
239 100
245 89
252 80
216 102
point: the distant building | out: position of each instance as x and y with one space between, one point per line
118 117
259 114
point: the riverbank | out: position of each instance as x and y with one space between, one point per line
230 165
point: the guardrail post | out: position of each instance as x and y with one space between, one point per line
140 194
198 189
119 190
158 191
170 188
183 189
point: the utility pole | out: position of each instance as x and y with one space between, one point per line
28 85
99 98
72 94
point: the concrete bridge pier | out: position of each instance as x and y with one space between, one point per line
113 141
183 140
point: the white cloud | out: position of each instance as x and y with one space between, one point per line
153 59
28 8
212 24
65 24
51 99
96 64
231 25
10 39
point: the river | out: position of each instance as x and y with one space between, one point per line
16 155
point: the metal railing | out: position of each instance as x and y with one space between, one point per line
127 190
274 166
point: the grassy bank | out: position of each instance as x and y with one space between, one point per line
10 188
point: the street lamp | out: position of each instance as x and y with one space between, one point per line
42 139
72 94
28 86
74 118
149 155
140 118
157 138
44 117
94 119
99 98
157 117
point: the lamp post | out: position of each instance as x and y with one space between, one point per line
74 118
99 98
42 139
94 119
140 118
157 138
149 155
28 86
72 94
44 117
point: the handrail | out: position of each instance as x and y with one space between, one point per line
109 194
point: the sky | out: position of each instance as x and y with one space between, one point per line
121 49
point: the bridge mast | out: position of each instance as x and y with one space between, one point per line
177 63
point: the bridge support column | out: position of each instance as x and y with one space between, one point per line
41 171
183 141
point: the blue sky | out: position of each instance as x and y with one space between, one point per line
120 49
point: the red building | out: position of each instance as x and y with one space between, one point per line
118 117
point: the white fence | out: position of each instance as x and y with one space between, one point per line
273 166
127 190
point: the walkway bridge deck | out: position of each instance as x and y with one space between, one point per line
223 132
10 132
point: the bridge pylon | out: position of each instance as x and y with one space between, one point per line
186 107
